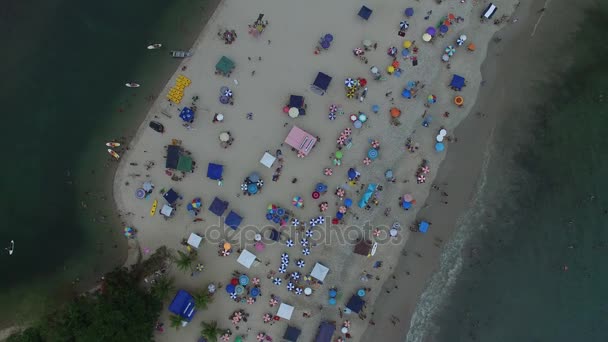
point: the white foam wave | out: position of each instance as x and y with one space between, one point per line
441 283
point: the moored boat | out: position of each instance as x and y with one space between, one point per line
154 46
132 85
112 144
113 153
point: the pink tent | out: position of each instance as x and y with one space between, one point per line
300 140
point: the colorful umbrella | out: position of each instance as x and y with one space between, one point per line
333 108
450 50
340 192
392 51
323 206
338 154
224 99
348 131
328 171
445 57
444 28
376 232
299 291
341 140
439 147
297 201
233 295
349 82
350 94
312 223
367 161
342 209
362 82
358 124
421 179
244 187
431 99
372 153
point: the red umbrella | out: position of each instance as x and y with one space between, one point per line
267 318
335 221
341 140
376 232
286 109
234 281
362 82
259 246
316 195
225 337
261 336
255 281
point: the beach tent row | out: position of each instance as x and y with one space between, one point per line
218 207
176 160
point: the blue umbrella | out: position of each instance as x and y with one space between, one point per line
328 37
290 286
224 99
348 202
281 211
375 108
140 193
321 187
333 293
410 85
309 233
406 205
358 124
254 177
431 30
352 173
361 293
325 44
254 292
372 153
243 279
409 12
289 243
388 174
443 28
332 116
332 301
276 219
405 52
339 215
407 94
439 147
269 216
277 281
230 288
252 188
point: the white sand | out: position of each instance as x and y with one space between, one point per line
288 66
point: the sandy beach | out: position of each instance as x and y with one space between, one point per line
270 68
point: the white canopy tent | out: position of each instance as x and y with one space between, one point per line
319 272
166 210
246 258
268 159
285 311
195 240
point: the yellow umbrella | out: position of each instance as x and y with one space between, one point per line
390 69
407 44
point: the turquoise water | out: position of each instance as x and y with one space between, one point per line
545 208
64 67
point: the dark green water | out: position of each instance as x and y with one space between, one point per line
62 95
545 206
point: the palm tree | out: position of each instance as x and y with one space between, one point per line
210 331
183 261
175 321
202 299
163 288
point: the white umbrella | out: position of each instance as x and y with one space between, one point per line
443 131
439 138
294 112
224 136
219 117
463 37
321 219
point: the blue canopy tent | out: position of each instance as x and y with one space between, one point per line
275 235
187 114
172 157
218 207
457 82
321 83
423 226
365 12
214 171
171 196
355 304
367 195
292 334
183 305
326 332
233 220
296 101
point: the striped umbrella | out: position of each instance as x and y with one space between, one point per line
273 301
260 337
300 263
244 187
228 92
367 161
349 82
304 242
290 286
299 291
282 269
375 144
450 50
323 206
233 295
295 275
321 219
333 108
340 192
309 233
341 140
426 169
295 222
350 94
306 251
312 223
342 209
331 116
348 131
285 256
289 243
328 171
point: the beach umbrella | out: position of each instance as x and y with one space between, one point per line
276 219
244 186
431 30
286 109
321 187
450 50
325 44
225 252
227 92
390 69
297 201
331 116
280 211
328 171
148 186
372 153
439 138
309 233
219 117
293 112
284 256
340 192
341 140
259 246
350 94
427 37
328 38
393 232
252 189
443 132
304 242
445 57
358 52
323 206
224 99
233 295
290 286
362 82
459 100
349 82
376 232
224 136
443 28
295 275
282 269
254 177
250 300
375 108
360 293
243 279
353 118
471 47
408 198
348 202
439 147
316 194
367 161
425 169
227 246
406 94
367 43
406 204
312 223
392 51
230 288
463 38
405 52
239 289
306 251
395 112
409 12
403 25
140 193
289 243
333 108
298 291
223 90
358 124
295 222
267 318
348 131
332 301
273 302
300 263
260 337
431 99
333 293
342 209
362 117
225 337
375 144
260 183
388 174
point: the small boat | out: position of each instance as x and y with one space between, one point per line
180 54
112 144
132 85
154 46
11 247
113 154
153 209
374 248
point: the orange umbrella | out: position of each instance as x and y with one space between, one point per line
459 101
451 16
395 64
471 47
227 246
395 112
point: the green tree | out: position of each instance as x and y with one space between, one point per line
175 321
31 334
202 299
210 331
183 261
163 288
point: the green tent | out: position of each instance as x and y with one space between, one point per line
225 65
184 164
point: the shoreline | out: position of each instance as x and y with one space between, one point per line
402 172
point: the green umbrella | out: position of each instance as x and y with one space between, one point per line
339 155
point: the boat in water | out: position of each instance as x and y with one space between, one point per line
155 46
112 144
132 85
113 154
11 247
180 54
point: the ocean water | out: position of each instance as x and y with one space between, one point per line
62 96
528 261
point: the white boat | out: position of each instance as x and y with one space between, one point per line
11 248
155 46
132 85
180 54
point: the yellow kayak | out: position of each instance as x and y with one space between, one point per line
153 209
